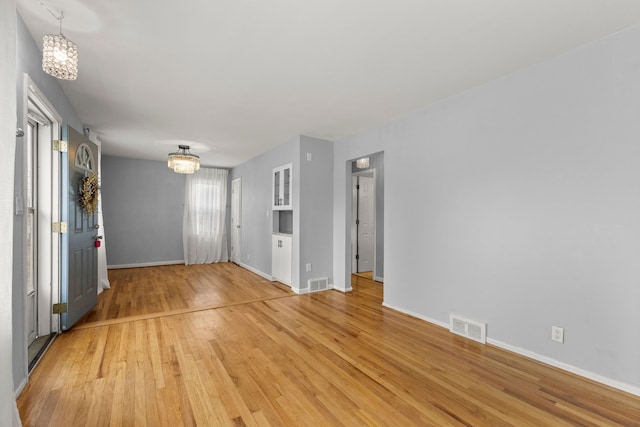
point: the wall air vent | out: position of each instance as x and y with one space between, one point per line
321 284
471 329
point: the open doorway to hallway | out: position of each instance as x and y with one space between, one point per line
367 217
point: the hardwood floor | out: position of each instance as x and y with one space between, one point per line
217 345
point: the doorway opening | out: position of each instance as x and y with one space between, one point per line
365 216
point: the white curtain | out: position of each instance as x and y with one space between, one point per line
204 231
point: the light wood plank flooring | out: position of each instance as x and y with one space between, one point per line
216 345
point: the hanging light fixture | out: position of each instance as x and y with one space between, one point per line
362 163
182 161
59 55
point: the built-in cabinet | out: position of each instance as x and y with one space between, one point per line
282 179
282 239
281 257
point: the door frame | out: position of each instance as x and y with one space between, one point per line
236 250
48 243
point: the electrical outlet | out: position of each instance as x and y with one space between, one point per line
557 334
308 267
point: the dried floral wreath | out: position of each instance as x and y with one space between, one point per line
89 193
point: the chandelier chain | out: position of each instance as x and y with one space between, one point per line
59 18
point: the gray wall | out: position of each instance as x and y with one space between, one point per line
29 60
257 223
142 204
312 208
516 203
316 209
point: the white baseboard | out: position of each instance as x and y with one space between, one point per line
378 279
535 356
20 387
566 367
416 315
256 271
306 290
343 289
144 264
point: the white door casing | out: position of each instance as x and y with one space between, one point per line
46 192
236 220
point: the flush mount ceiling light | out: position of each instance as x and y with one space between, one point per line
362 163
59 55
182 161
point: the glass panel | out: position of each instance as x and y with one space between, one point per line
276 188
31 132
84 158
287 186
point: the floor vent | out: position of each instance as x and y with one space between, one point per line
471 329
321 284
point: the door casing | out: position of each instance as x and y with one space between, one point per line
236 220
48 243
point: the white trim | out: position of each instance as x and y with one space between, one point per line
258 272
307 291
418 316
49 258
342 289
20 387
378 279
566 367
535 356
238 247
144 264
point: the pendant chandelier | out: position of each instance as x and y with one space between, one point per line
59 55
182 161
362 163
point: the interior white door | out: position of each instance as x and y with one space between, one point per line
236 219
354 226
366 223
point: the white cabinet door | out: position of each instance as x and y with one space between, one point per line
282 180
281 258
285 256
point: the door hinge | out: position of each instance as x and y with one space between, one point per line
60 145
59 227
357 256
357 222
60 308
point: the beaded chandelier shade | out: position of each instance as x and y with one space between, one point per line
362 163
182 161
59 55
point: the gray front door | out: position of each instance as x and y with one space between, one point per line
80 268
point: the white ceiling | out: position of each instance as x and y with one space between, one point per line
235 78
